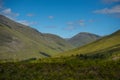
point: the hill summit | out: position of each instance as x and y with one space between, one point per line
83 38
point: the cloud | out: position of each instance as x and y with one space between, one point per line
113 10
75 24
8 12
70 28
30 15
110 1
70 23
81 22
25 22
50 17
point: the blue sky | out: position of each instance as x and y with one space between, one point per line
65 18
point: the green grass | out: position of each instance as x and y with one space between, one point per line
99 45
96 64
101 65
99 60
69 68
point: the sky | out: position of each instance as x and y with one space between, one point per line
65 18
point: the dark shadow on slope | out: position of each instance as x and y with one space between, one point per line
61 44
45 54
102 54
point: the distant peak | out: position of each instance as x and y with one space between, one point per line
84 33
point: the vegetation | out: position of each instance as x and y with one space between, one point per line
99 60
20 42
69 68
102 65
100 45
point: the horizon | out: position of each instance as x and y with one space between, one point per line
64 18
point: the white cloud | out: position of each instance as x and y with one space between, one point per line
70 23
8 12
75 24
25 22
50 17
81 22
70 28
113 10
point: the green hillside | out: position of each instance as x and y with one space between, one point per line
110 41
100 63
18 42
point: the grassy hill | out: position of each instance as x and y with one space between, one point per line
18 42
110 41
102 63
99 60
83 38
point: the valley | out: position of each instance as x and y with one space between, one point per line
27 54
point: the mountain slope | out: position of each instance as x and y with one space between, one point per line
105 44
20 42
82 39
61 44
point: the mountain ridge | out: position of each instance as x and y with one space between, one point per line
105 44
19 41
83 38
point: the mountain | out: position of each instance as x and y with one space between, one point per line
99 60
19 42
108 45
83 38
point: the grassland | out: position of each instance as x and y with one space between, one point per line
96 46
104 65
99 60
68 68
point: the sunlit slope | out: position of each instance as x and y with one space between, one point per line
101 44
20 42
